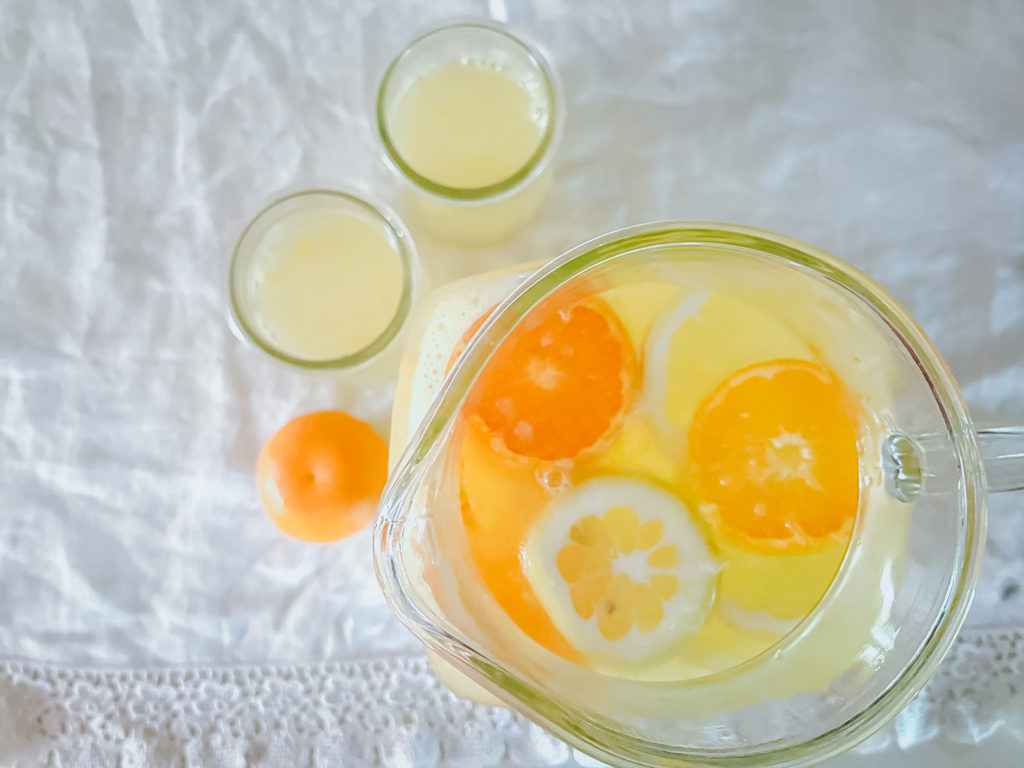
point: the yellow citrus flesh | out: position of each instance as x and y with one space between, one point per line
621 568
701 342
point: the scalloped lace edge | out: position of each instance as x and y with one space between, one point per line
386 711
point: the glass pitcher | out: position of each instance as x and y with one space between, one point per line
844 670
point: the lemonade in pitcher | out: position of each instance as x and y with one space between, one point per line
665 471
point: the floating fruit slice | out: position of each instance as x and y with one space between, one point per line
785 587
621 568
639 305
501 500
320 477
695 346
559 383
636 451
774 453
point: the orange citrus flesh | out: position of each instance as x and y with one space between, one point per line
559 383
321 475
774 453
501 502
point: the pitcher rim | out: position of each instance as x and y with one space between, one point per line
563 719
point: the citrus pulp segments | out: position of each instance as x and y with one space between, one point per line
692 569
694 347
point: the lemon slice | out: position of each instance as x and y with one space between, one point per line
621 568
699 343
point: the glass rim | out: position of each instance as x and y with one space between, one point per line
407 256
530 169
601 735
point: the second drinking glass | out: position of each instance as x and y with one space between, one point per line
469 116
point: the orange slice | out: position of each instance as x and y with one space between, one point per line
501 501
320 477
559 383
774 454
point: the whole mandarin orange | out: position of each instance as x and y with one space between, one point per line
320 477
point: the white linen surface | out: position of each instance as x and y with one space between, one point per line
137 136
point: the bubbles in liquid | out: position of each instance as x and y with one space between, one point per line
552 479
484 64
530 82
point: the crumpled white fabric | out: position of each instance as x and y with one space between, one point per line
137 136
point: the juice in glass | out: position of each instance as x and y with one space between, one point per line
468 124
468 116
322 279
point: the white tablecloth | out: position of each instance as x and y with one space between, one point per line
136 137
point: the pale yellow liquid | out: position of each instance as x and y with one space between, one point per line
466 125
324 284
470 125
849 632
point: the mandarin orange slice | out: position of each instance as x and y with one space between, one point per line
774 453
501 501
320 477
559 383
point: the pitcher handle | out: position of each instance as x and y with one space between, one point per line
1002 452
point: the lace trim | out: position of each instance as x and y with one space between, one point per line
384 711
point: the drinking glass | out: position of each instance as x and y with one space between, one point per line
473 216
